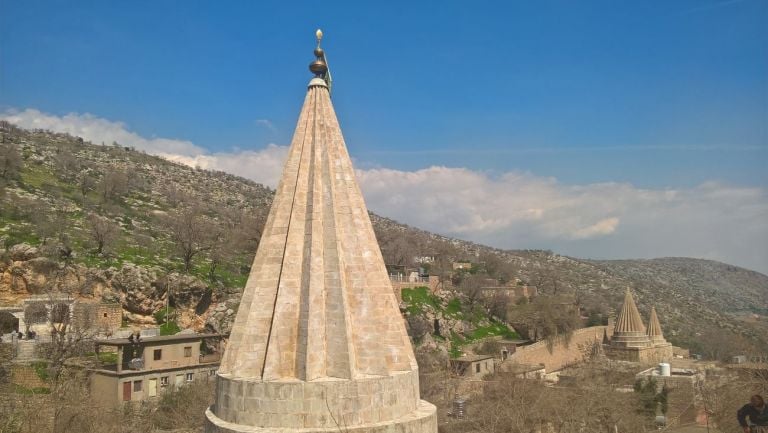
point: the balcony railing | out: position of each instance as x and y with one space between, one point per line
209 358
406 279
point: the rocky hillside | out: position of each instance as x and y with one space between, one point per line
108 222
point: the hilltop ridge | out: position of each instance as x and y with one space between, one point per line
105 207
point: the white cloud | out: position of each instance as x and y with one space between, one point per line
263 166
603 220
514 210
99 130
267 124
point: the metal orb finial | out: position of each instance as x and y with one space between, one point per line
319 67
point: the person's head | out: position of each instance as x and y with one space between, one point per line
757 401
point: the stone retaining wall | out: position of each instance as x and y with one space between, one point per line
563 351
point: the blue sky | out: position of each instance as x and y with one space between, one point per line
659 95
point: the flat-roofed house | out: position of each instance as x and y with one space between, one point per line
474 366
144 368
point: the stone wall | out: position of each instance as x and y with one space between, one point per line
643 355
6 352
563 351
433 284
100 317
26 376
109 316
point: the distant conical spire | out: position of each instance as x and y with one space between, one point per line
654 328
319 341
629 319
629 330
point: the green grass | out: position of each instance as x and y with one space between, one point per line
108 357
18 389
418 299
493 330
37 176
169 328
457 341
453 309
41 369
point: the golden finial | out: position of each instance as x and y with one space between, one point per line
319 36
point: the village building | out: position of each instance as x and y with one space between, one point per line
473 366
38 312
461 266
144 368
318 341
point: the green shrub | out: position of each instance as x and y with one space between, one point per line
169 328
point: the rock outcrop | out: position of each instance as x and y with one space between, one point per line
141 290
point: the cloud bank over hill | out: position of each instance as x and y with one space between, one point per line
514 210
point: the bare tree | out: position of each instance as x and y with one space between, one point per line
67 164
190 232
86 183
113 185
102 231
221 241
471 286
10 161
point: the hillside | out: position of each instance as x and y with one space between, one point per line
140 226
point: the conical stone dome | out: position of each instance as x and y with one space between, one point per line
654 328
319 344
629 330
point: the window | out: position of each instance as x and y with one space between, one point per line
188 351
477 368
137 386
212 372
190 377
164 381
158 354
105 314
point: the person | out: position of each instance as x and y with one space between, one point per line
757 412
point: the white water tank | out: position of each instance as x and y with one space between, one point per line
665 369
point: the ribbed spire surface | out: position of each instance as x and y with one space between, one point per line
318 302
629 330
654 328
318 344
629 319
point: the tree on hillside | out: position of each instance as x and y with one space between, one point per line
102 231
222 240
471 286
85 183
67 164
10 161
545 317
113 185
190 232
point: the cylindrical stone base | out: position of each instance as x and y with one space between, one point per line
422 420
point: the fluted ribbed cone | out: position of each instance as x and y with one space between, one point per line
318 340
629 319
654 328
629 330
318 302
